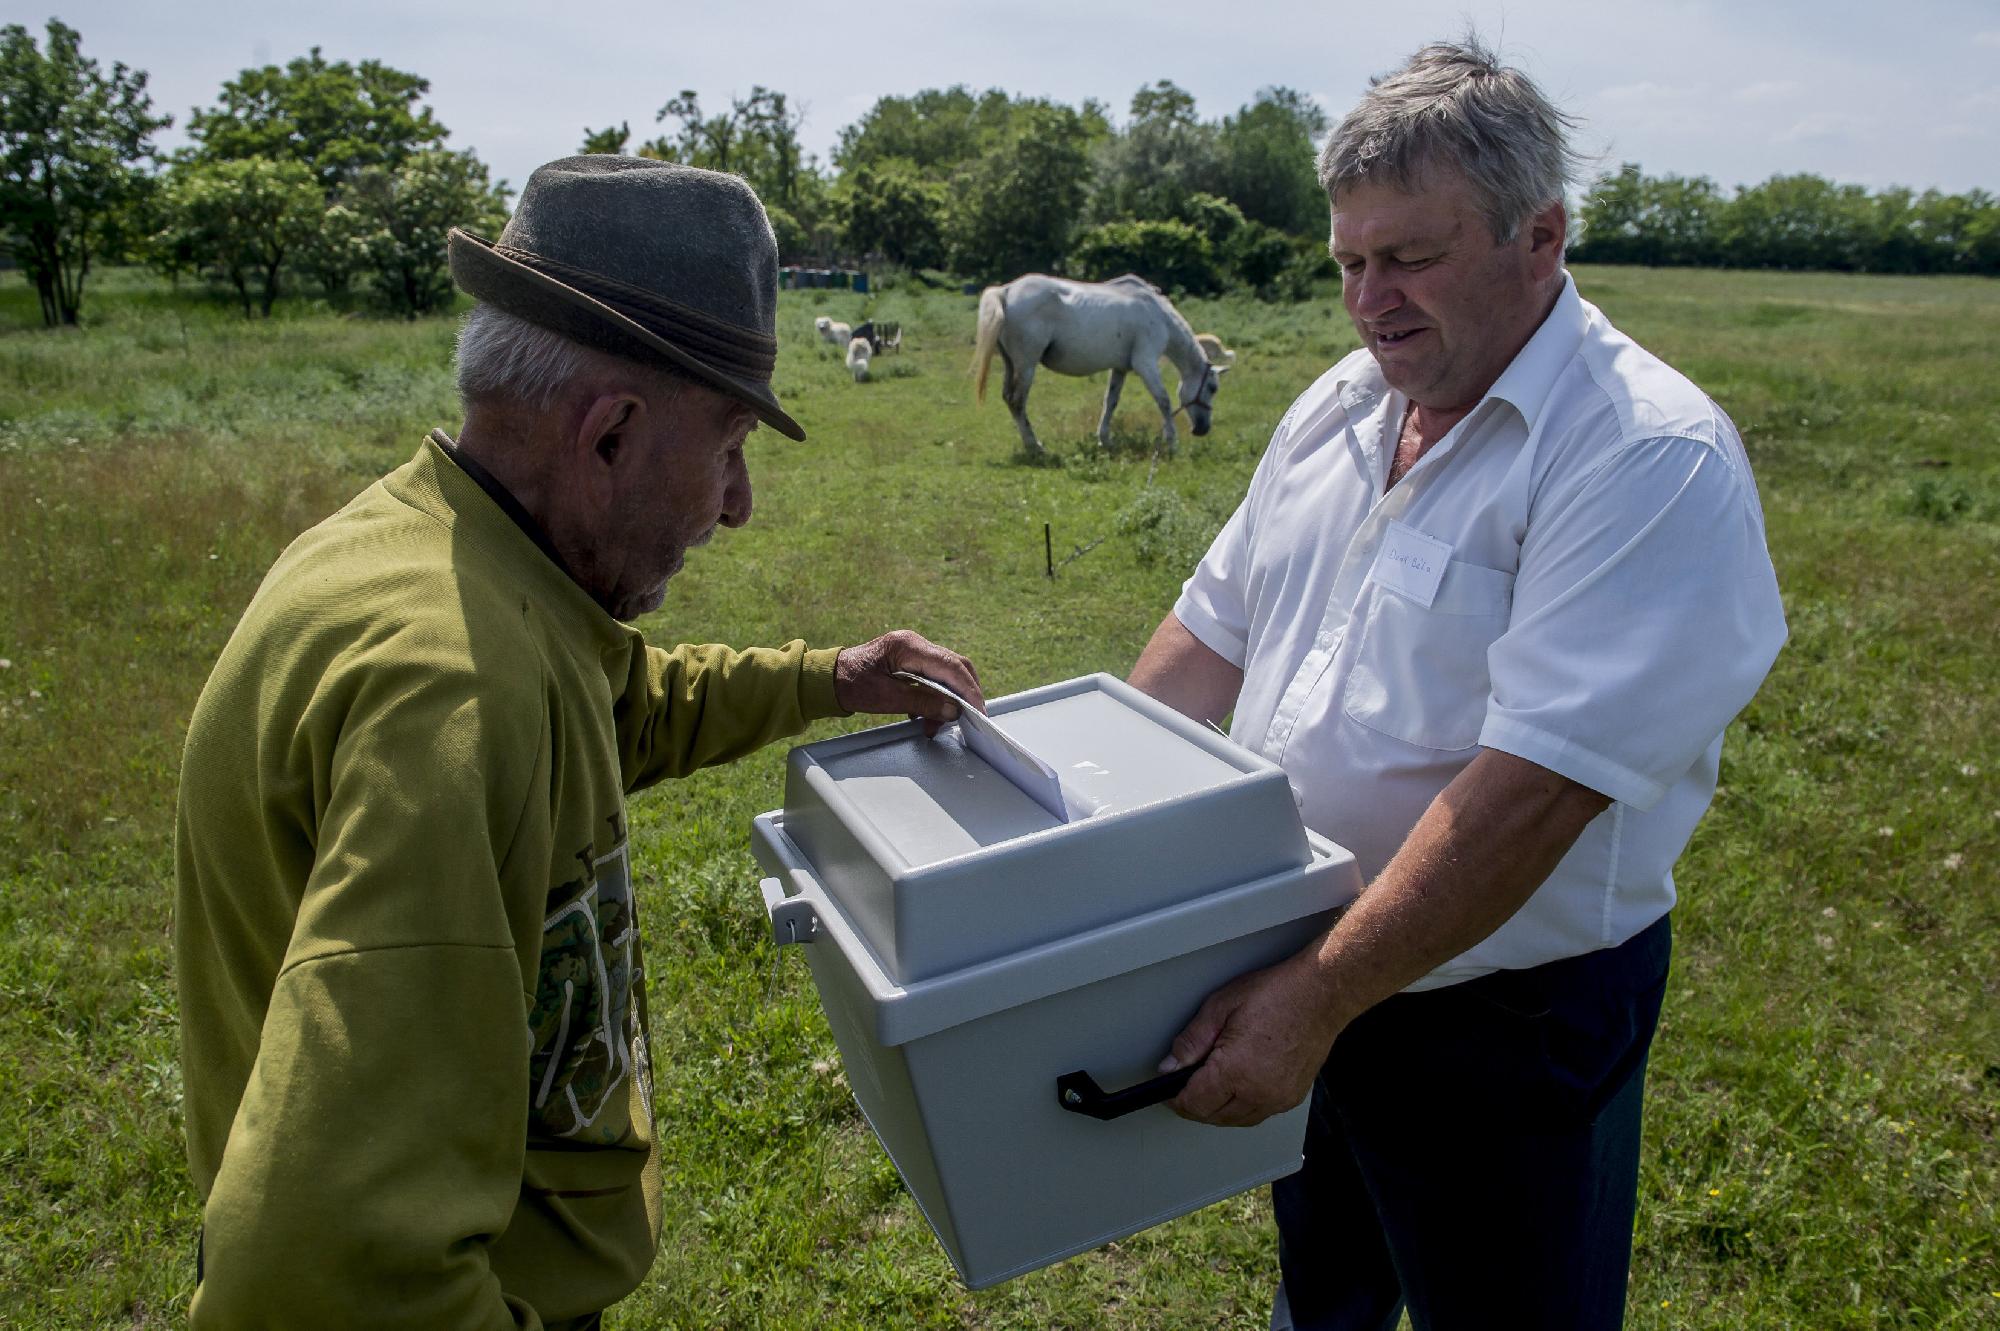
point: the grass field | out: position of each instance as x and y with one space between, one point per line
1820 1146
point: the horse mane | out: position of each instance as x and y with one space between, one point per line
1134 280
1182 342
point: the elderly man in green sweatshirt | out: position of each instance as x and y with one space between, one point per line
412 990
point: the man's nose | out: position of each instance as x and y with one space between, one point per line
1375 292
736 498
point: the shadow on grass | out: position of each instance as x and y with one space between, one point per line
1048 459
1126 446
1136 442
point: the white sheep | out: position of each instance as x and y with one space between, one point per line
824 327
858 351
829 331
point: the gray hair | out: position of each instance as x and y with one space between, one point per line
501 355
1453 106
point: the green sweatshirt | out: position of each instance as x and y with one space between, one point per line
413 1020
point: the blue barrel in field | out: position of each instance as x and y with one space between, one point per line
861 282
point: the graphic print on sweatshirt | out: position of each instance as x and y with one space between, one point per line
584 1024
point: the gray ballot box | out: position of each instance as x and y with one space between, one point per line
1003 983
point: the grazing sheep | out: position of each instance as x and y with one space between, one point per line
838 334
1211 347
858 351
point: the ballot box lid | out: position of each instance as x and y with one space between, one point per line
941 861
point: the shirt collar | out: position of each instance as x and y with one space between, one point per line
1526 382
501 496
504 500
439 483
1531 376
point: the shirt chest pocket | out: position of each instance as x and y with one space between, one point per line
1420 674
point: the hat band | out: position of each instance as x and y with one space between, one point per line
728 347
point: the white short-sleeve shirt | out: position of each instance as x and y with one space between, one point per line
1576 574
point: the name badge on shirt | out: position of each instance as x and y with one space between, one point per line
1411 562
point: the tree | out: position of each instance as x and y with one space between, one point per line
1797 221
1161 160
1267 152
243 220
1979 241
1260 255
934 130
780 163
607 140
407 212
1165 102
70 142
1608 221
336 249
793 241
892 210
1170 255
1680 217
1215 217
757 138
1015 207
941 129
1628 217
705 141
1950 230
337 118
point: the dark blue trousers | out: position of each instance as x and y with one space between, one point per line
1473 1152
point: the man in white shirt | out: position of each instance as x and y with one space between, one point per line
1497 587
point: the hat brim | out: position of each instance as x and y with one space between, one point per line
491 276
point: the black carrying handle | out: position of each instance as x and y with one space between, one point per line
1079 1093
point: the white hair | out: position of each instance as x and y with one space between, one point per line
501 355
1454 106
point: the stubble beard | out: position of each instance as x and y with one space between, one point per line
646 602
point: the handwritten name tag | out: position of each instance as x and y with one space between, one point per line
1411 562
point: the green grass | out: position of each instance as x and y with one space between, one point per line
1826 1085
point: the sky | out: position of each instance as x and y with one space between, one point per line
1858 91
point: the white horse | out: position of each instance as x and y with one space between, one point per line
1124 326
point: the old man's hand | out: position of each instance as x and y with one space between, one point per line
864 679
1260 1040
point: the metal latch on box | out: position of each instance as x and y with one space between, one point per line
793 919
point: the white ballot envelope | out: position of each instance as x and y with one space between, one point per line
1030 775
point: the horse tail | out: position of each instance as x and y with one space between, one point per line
992 313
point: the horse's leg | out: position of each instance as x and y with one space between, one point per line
1014 392
1149 373
1111 392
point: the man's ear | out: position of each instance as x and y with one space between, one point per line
1548 232
599 433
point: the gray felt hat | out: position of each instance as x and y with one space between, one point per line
646 260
